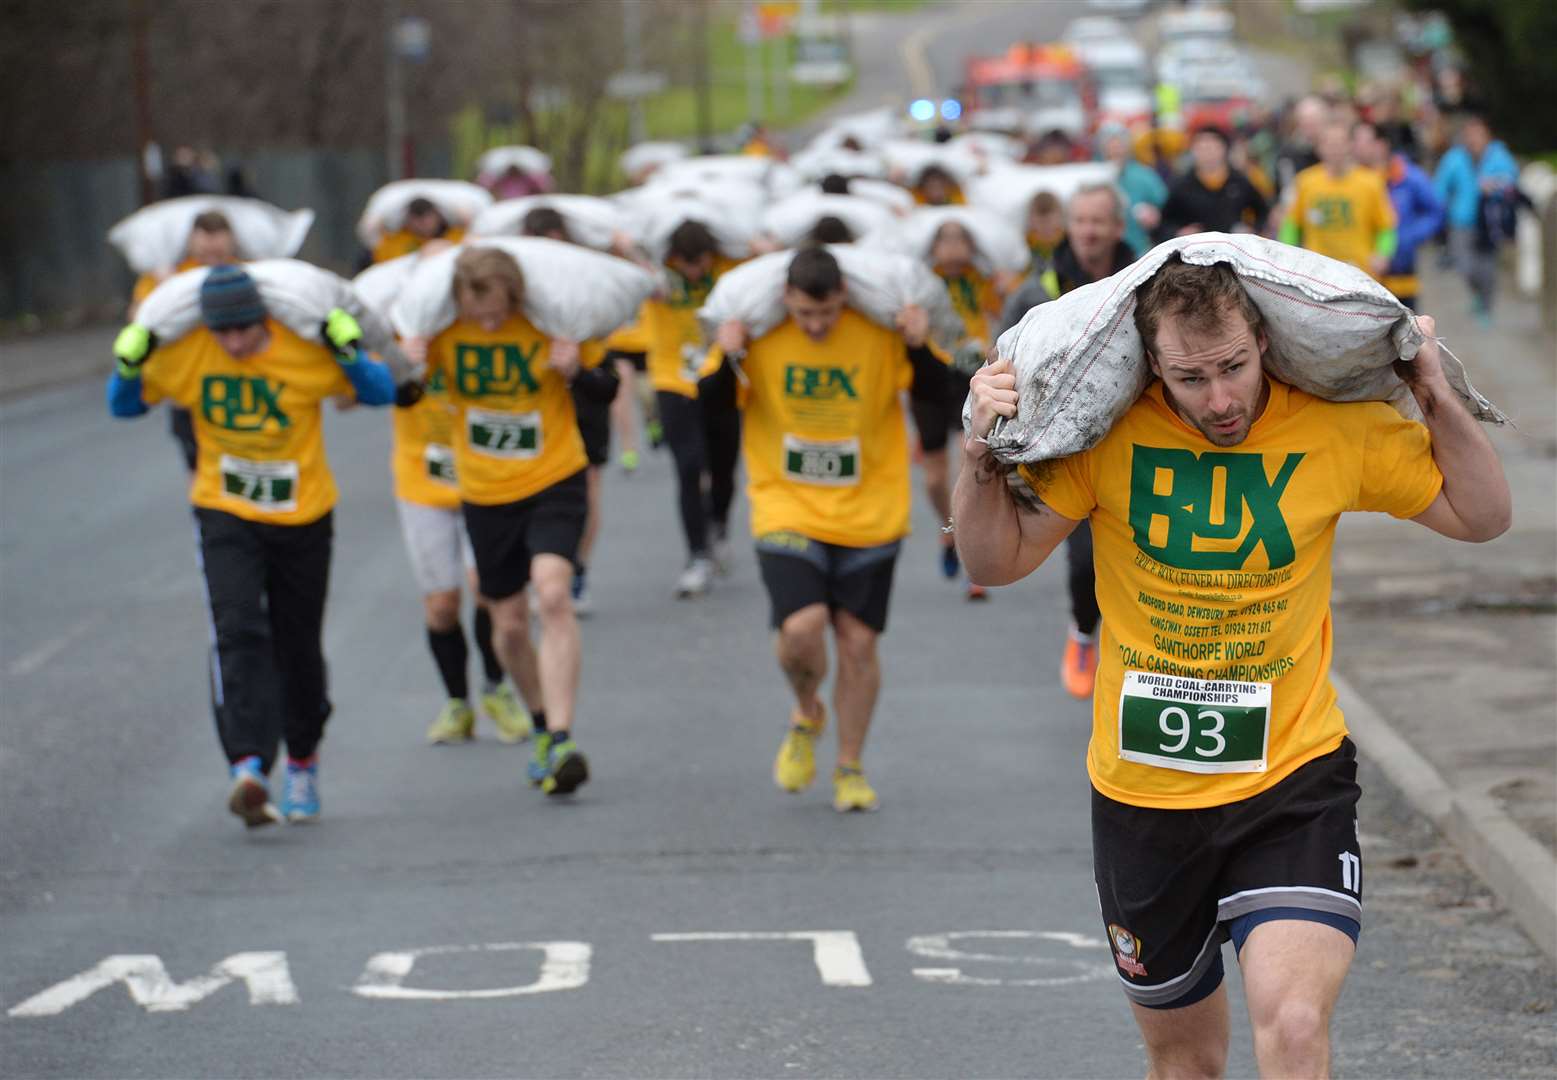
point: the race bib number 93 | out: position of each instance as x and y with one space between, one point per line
1194 725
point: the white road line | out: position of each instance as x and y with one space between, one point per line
564 966
837 954
30 662
146 977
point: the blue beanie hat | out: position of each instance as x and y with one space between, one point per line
229 297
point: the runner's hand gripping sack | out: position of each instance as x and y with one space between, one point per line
878 284
569 291
1333 332
153 239
297 294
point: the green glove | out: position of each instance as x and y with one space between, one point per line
343 333
134 344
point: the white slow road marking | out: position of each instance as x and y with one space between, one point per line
564 966
939 947
36 658
837 953
265 973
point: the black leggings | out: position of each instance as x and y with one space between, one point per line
722 436
683 423
1083 580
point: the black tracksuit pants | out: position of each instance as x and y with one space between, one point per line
266 586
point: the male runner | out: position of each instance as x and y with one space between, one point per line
1419 212
1342 209
211 243
826 454
520 464
1224 783
1093 248
423 222
263 495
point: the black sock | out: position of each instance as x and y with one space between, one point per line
538 721
450 653
489 661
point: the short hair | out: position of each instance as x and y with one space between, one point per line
544 221
835 184
1106 187
211 221
830 230
1046 202
815 272
691 240
1202 296
967 234
479 269
1216 133
932 172
419 206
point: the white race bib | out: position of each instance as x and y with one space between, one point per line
439 460
827 462
1194 725
503 434
270 486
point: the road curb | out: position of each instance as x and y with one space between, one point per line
1521 872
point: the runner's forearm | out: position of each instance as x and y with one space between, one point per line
371 379
988 529
1473 482
125 400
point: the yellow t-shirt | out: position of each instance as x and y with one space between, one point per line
256 420
1214 565
423 456
1342 218
517 432
632 338
403 242
976 300
824 441
676 349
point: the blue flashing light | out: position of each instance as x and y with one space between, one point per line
951 109
922 110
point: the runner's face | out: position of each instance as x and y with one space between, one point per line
952 251
815 317
1094 228
692 269
488 308
1210 154
212 248
1214 381
242 342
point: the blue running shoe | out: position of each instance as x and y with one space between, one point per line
249 797
949 563
566 767
300 803
540 759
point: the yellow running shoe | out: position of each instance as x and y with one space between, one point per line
456 723
851 791
508 714
795 766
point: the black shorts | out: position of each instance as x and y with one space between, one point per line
799 572
638 360
506 537
594 424
934 420
1173 885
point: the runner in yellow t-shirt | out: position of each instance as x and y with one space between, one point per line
1342 209
953 257
1224 785
263 495
211 243
519 461
826 454
423 222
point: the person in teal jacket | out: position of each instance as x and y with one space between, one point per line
1143 188
1476 167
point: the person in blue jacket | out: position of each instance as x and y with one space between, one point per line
263 498
1419 212
1144 189
1477 167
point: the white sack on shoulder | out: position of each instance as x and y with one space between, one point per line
774 177
592 222
154 238
1008 190
651 155
1333 332
569 291
297 294
1001 246
789 222
879 285
894 197
527 159
380 284
731 211
839 161
457 200
907 159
